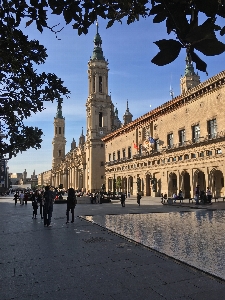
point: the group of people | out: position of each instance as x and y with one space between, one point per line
44 200
123 198
178 196
202 196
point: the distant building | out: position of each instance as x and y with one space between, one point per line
20 179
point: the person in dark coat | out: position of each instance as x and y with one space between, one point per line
35 206
71 203
16 197
48 206
138 199
123 198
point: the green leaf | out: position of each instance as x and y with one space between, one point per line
160 17
200 64
204 31
157 9
209 7
169 51
110 23
210 47
222 32
29 22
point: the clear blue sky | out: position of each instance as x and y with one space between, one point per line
132 77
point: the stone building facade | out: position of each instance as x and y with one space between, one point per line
178 145
83 167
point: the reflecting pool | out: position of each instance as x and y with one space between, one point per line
197 238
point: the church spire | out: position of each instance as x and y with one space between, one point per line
59 109
190 78
97 52
127 117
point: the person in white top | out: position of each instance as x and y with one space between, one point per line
21 198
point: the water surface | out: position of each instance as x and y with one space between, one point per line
197 238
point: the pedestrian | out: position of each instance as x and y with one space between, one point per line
48 206
71 203
196 197
26 198
40 201
16 197
35 206
209 195
138 199
123 198
21 198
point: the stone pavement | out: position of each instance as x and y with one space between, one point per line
85 261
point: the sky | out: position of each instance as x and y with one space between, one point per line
129 50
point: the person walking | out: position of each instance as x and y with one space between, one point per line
26 197
35 206
16 197
138 199
21 198
123 198
71 203
197 192
48 206
209 195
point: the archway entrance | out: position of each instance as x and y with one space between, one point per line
172 184
148 185
186 186
216 183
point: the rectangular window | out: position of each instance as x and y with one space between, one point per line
118 154
100 119
195 133
156 145
56 130
181 137
218 151
114 156
193 155
129 152
100 84
208 152
59 153
170 140
59 130
102 163
124 153
109 156
140 149
94 84
201 154
212 129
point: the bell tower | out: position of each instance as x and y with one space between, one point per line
190 79
99 120
59 141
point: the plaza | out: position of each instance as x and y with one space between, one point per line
112 252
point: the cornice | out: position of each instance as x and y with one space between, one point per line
210 85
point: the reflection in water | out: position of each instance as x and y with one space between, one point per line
197 238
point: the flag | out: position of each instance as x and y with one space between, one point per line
135 146
151 140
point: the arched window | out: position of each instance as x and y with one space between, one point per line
94 84
100 84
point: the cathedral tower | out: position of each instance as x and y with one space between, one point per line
127 117
190 79
99 120
59 141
